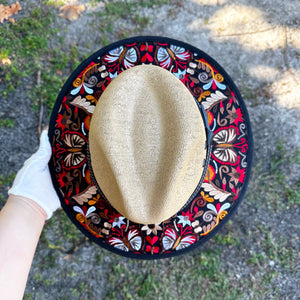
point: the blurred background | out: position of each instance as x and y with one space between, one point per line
257 254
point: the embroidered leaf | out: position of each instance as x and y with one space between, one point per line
213 99
198 214
85 195
78 209
215 192
71 12
91 98
83 104
6 11
90 210
204 67
212 207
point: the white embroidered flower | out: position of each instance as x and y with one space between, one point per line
118 221
151 228
184 220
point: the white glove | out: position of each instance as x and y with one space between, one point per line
33 181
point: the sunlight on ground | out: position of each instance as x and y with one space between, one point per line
247 26
287 88
209 2
264 73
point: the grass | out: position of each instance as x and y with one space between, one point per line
227 239
27 41
274 185
7 123
190 277
66 237
5 181
129 11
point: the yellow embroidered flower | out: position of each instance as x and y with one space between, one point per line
94 200
206 197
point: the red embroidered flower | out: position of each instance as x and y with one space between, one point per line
63 121
235 116
237 175
185 218
117 220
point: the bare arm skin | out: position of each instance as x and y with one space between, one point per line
21 223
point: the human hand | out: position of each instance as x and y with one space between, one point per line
33 181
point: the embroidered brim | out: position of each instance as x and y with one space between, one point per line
229 164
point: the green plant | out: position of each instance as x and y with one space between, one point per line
227 239
274 186
128 11
6 180
256 258
7 123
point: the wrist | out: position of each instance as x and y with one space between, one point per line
28 206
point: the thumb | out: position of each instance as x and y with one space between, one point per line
43 154
44 151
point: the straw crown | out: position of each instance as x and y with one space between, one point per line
147 144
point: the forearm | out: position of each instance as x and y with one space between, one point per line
21 223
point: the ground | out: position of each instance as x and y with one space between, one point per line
257 254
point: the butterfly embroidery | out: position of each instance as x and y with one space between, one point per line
74 155
125 56
166 56
224 149
132 242
173 241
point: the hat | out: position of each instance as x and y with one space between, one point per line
151 147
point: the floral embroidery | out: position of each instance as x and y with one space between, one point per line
83 86
117 220
228 166
185 219
152 228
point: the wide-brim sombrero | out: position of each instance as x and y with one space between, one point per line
228 164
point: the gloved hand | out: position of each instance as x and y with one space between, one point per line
33 181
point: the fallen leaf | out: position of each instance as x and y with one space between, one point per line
5 61
68 257
6 11
71 12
